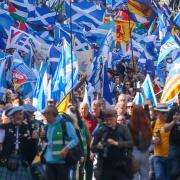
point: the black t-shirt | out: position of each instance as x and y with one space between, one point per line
174 138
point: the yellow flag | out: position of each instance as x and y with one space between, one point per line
123 30
62 106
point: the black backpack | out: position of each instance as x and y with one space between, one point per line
74 154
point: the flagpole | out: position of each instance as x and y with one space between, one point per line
71 37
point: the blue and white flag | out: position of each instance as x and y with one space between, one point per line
3 83
80 42
22 77
164 25
148 90
40 95
54 58
107 95
6 21
21 41
138 99
67 69
168 53
42 16
103 56
89 13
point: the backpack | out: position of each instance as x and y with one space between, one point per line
74 154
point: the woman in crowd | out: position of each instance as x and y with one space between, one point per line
141 132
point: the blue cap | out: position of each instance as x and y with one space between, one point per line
15 110
29 108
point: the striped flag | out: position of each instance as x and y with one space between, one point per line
20 9
172 84
140 11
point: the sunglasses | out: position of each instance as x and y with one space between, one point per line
129 106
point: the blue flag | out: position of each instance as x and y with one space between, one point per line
3 83
168 48
67 69
106 89
148 90
89 13
40 95
138 99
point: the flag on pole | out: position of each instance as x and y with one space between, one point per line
148 90
62 106
106 89
67 68
89 14
138 99
172 85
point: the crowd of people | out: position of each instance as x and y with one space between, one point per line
121 142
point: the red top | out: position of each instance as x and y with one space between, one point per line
91 123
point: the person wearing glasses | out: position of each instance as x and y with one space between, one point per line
161 142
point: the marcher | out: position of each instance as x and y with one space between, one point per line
111 142
141 132
161 143
55 153
16 144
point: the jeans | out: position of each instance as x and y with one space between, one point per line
173 162
72 172
160 167
142 157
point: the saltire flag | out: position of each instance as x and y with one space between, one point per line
21 41
23 78
40 95
96 77
62 106
172 85
106 89
42 16
6 21
67 68
140 10
79 40
54 55
148 90
138 99
168 48
89 14
98 34
19 9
